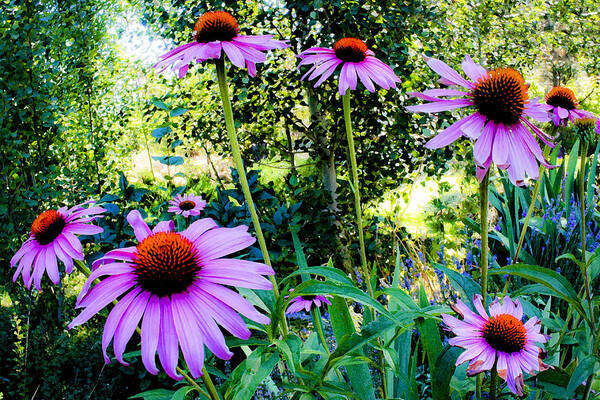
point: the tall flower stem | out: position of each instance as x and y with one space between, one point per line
493 379
214 395
483 212
355 183
86 271
239 166
483 223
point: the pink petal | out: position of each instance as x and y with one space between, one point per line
150 332
168 349
191 340
140 228
110 326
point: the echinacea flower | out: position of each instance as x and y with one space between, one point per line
357 61
307 302
187 205
217 32
500 337
499 125
587 129
563 105
54 235
176 282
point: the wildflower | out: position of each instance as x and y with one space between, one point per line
307 302
563 106
499 338
187 205
175 280
217 32
587 129
357 63
54 235
499 124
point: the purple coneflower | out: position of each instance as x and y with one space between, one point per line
217 32
499 338
357 61
175 281
499 125
307 302
54 235
187 205
562 104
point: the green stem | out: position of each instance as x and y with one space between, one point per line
493 383
86 271
357 206
483 208
582 204
483 212
586 275
214 395
316 317
239 166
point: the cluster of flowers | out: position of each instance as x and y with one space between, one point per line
175 282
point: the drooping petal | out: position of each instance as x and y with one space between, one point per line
168 349
192 342
220 242
448 73
442 105
150 332
110 326
472 70
140 228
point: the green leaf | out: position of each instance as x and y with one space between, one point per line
356 340
464 284
313 287
156 394
585 369
331 273
158 133
342 324
176 112
430 333
250 373
547 277
159 104
290 349
182 393
444 370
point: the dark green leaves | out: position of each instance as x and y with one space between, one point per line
550 279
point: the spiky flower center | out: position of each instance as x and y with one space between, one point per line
47 226
585 123
309 297
505 333
187 205
562 97
501 95
350 50
216 25
166 263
